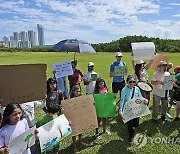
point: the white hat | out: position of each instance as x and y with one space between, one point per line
90 64
119 54
162 63
141 62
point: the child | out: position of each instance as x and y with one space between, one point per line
52 93
101 88
53 109
12 126
76 92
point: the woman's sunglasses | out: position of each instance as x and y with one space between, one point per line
132 82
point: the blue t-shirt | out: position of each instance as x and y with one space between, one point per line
117 78
126 95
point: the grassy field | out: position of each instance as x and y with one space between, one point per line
117 141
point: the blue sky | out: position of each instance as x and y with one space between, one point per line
94 21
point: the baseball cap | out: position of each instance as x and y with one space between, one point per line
119 54
141 62
161 63
90 64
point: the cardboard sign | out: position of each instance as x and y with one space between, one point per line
120 70
94 77
22 83
135 108
105 105
157 59
81 112
168 82
53 132
22 142
63 69
143 50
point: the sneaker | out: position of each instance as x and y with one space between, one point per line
164 119
106 132
168 116
97 136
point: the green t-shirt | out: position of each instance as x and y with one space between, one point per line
46 119
177 77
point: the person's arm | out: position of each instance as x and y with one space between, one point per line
133 64
111 73
122 102
148 65
154 81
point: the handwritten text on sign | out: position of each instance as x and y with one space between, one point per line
135 108
168 82
63 69
143 50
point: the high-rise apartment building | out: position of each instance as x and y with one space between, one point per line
40 30
32 37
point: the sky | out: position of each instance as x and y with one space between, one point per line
94 21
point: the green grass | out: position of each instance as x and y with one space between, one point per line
117 141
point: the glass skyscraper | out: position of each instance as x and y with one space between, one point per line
40 30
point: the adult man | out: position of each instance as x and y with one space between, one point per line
118 80
90 79
159 94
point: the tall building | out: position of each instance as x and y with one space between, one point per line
32 37
23 36
16 36
40 30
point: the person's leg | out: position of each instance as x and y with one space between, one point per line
99 121
104 121
177 109
164 108
121 86
156 102
115 87
135 122
131 130
74 144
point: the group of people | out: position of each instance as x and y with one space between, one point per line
17 118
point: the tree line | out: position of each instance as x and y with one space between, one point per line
120 45
124 44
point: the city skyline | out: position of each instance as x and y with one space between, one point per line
91 20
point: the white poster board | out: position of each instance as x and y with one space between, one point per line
22 142
53 132
168 82
135 108
143 50
63 69
120 70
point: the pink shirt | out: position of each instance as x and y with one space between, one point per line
103 90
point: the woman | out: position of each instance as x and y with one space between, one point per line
130 91
76 77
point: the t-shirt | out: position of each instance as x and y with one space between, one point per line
157 89
112 67
46 119
74 79
90 87
177 77
103 90
9 132
126 95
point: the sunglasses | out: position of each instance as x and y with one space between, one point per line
132 82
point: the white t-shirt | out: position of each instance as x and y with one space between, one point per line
159 76
9 132
90 87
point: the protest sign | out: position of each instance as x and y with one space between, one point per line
22 83
22 142
94 76
63 69
120 70
143 50
105 105
135 108
168 82
53 132
157 59
81 112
